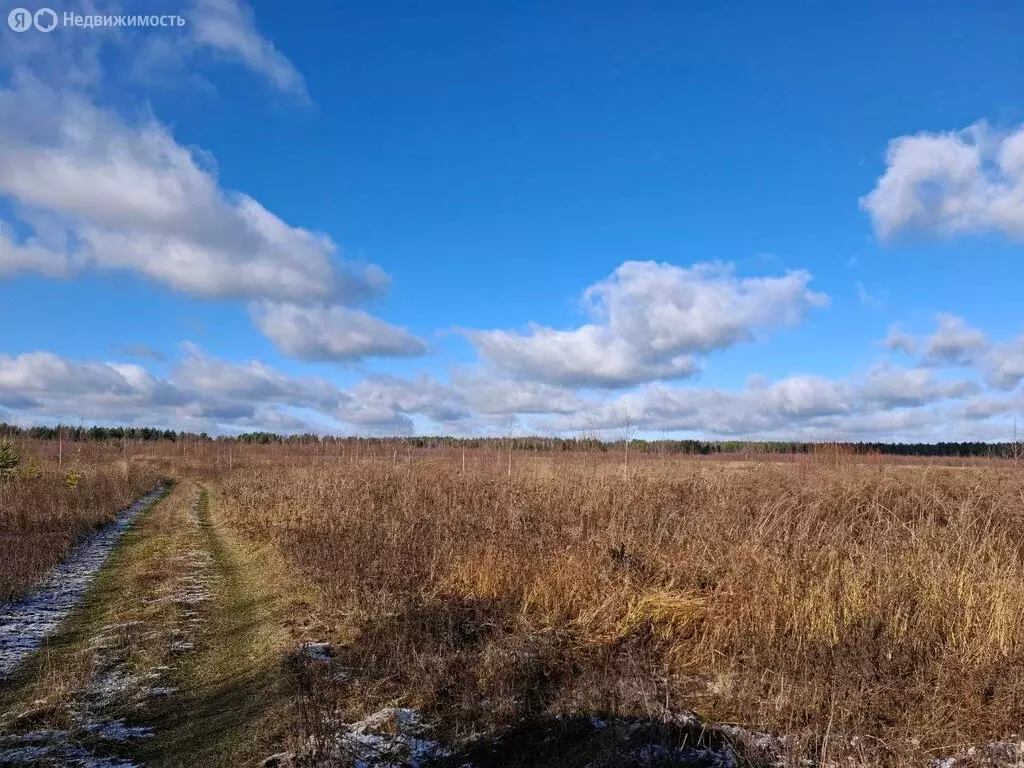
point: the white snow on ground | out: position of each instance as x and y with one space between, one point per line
57 746
390 738
113 684
26 623
398 738
317 652
995 754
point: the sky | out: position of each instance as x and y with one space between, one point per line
383 218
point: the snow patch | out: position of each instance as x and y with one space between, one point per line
56 746
26 623
117 731
390 737
321 652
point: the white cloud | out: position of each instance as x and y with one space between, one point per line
900 387
204 393
796 407
103 56
897 340
104 194
133 198
651 321
228 27
954 342
1004 364
29 256
332 333
59 386
379 399
498 397
252 381
867 299
951 183
987 405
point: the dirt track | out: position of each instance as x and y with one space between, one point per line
173 659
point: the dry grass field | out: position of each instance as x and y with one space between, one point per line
837 609
45 508
860 609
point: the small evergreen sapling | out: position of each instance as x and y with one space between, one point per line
9 460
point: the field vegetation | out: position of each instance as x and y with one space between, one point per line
832 607
861 609
49 502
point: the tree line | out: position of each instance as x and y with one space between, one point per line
694 447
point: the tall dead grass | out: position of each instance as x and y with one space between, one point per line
44 512
859 608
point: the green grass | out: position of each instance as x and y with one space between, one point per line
233 705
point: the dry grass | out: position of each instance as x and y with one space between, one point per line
42 515
823 599
864 609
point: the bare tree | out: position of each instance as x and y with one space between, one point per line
1017 449
509 434
627 436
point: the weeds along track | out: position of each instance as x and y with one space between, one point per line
45 512
25 624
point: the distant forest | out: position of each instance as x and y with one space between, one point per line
587 443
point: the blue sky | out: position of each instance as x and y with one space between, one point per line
380 218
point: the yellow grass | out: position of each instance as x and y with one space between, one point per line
813 598
43 515
860 607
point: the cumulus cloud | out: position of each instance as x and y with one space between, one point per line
29 256
202 393
102 193
135 199
951 183
209 394
650 321
380 400
493 396
1004 364
252 381
333 333
897 340
954 342
206 393
899 387
796 407
987 405
47 381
